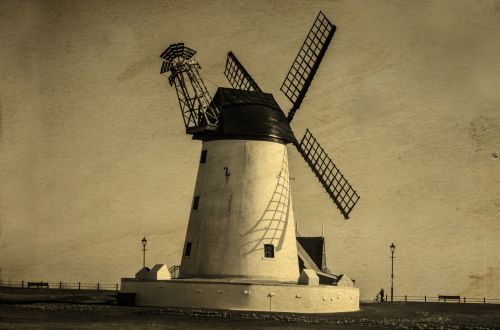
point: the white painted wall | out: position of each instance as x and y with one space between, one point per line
159 272
239 213
243 296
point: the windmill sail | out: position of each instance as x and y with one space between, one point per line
175 51
334 182
238 77
307 61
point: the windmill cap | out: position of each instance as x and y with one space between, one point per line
250 115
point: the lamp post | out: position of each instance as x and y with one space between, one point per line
392 247
144 242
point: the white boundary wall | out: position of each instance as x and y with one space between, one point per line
243 296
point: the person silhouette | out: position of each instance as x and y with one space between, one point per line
382 295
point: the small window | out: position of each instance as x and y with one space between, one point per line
187 252
203 158
196 202
268 250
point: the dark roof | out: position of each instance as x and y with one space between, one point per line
249 115
314 248
230 97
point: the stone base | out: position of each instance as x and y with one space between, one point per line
242 295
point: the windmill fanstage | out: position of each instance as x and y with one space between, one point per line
242 250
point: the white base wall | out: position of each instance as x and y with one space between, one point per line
247 296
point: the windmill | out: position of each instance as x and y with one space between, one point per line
241 223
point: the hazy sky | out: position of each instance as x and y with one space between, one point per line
93 154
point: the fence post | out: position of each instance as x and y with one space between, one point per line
425 298
406 298
60 284
465 300
78 285
116 286
386 297
484 300
97 286
22 284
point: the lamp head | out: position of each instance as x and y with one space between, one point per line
392 247
144 241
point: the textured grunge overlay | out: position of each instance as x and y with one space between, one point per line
94 155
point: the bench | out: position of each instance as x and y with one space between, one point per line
38 285
441 297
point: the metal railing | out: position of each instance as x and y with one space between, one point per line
460 299
61 285
174 271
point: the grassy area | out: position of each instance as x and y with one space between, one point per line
51 309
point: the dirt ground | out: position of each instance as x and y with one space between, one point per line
70 309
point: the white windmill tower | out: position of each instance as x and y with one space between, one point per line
241 227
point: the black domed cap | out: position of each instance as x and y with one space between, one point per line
250 115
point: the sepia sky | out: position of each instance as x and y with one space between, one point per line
93 153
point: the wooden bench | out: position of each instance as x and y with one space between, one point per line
449 298
38 285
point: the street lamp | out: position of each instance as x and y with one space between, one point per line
392 247
144 242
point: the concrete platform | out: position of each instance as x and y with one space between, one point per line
238 294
